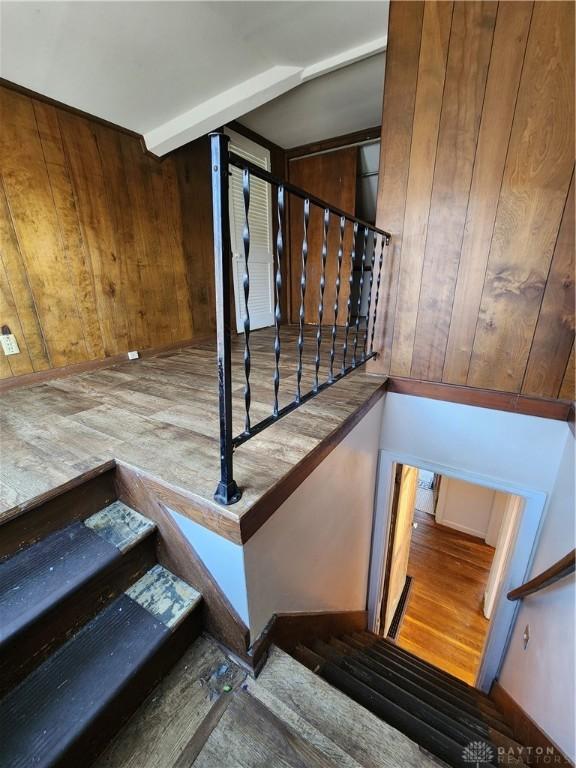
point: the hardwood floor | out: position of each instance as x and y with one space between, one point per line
444 623
160 416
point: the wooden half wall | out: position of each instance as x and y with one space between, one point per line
104 249
477 187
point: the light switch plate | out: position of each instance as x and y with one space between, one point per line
9 344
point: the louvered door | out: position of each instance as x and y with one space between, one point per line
260 258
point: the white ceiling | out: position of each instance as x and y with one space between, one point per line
174 70
344 101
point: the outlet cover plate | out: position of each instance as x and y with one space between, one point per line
9 344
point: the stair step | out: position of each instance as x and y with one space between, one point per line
84 691
347 733
439 677
53 586
419 699
472 706
393 648
408 723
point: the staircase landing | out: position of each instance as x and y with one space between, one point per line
159 415
206 713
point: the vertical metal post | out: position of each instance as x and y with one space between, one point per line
227 491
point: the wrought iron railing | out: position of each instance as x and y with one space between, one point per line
368 244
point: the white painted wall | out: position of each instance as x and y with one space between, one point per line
465 506
313 554
541 678
521 454
223 559
496 446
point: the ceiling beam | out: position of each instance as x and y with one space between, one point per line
248 95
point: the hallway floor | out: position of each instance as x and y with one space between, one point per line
444 623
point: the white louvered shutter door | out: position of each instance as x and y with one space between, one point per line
260 258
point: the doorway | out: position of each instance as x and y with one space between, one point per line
463 555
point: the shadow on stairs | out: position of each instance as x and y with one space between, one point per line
445 716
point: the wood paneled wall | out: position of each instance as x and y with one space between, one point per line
477 187
104 249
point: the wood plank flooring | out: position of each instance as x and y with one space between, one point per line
160 415
444 623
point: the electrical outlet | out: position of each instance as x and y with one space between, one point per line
9 344
526 636
133 355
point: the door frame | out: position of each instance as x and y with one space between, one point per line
516 571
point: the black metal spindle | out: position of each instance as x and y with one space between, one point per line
246 285
227 491
337 297
302 312
370 286
349 302
384 240
321 297
277 294
359 302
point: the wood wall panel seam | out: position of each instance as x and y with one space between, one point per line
481 318
58 219
554 334
432 62
473 265
471 38
541 155
402 57
99 251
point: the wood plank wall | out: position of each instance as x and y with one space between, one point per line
477 187
104 249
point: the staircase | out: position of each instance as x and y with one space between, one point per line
89 623
442 714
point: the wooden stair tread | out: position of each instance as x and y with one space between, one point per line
409 699
446 718
345 731
75 690
474 707
438 676
166 730
44 573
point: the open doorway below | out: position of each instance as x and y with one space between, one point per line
448 548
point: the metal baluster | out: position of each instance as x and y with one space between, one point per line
337 296
385 240
302 299
227 491
321 301
371 283
246 285
359 302
277 294
349 303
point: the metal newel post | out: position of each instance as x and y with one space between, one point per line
227 491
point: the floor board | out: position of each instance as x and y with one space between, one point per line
444 623
160 415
